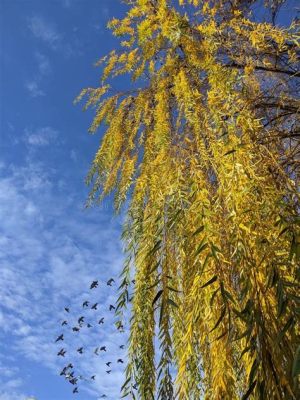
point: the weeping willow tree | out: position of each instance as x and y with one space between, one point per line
204 144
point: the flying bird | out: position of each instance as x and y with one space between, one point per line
94 284
67 309
80 320
63 371
75 329
110 281
103 348
75 390
120 361
73 381
93 377
94 307
119 325
89 326
111 307
122 346
69 366
96 351
103 396
109 371
62 352
108 363
61 337
64 323
85 304
101 321
80 350
134 386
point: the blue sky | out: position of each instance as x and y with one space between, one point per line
51 248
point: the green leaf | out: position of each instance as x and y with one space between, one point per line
249 391
125 383
159 293
286 327
253 370
170 301
174 290
230 152
212 280
161 313
296 363
201 247
197 231
219 320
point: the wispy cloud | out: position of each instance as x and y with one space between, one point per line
33 88
40 137
50 252
45 31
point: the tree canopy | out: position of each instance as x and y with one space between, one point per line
205 145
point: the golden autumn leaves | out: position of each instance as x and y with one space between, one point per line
204 145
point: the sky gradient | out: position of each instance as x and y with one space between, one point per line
51 248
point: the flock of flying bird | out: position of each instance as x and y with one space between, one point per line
68 370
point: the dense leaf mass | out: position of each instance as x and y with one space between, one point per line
205 144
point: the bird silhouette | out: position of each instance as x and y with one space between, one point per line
63 371
111 307
67 309
75 390
122 346
60 337
69 366
85 304
101 321
75 329
73 381
80 350
94 284
108 363
96 351
103 396
110 281
89 325
94 307
109 371
119 325
62 352
64 323
93 377
103 348
80 320
120 361
134 386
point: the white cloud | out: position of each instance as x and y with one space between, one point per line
45 31
44 66
50 252
40 137
33 88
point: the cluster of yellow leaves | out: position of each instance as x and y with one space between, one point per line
212 229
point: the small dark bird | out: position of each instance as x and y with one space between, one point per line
111 307
70 375
94 284
94 307
70 366
103 396
80 350
108 363
75 329
110 281
67 309
133 281
63 371
64 323
62 352
80 320
101 321
93 377
122 346
120 361
61 337
89 325
85 304
134 386
119 325
109 371
96 351
73 381
103 348
75 390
